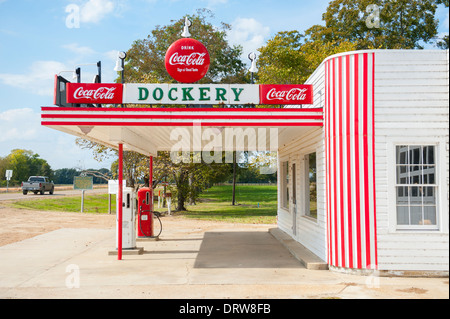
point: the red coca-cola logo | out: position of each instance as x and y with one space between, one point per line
286 94
187 60
94 93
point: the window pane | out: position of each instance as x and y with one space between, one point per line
415 155
428 155
415 195
402 215
416 215
402 174
312 187
402 154
429 213
428 174
429 195
402 195
415 175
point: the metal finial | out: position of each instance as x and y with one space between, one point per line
187 24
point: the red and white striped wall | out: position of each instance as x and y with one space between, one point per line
349 147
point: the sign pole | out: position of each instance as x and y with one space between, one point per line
120 193
82 201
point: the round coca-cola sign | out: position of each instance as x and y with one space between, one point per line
187 60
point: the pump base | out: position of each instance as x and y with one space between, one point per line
147 239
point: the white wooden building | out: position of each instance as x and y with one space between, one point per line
363 178
383 194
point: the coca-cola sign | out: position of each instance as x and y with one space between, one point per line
187 60
94 93
286 94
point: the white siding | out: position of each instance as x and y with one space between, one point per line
310 233
411 106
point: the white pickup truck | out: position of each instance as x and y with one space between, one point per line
38 184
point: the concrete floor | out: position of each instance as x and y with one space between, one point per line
197 261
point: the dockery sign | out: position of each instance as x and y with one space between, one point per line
208 94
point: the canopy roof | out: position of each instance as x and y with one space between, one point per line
149 130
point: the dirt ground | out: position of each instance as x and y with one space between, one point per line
20 224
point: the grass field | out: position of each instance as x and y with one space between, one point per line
97 204
254 204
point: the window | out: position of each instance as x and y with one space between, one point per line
311 185
416 187
285 185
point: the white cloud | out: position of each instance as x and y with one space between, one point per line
39 80
249 33
93 11
77 49
19 125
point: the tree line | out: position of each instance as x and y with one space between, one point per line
26 163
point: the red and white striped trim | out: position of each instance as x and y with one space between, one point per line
350 181
56 116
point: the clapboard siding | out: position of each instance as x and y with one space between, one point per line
411 105
309 232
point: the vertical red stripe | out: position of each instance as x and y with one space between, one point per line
120 195
357 183
334 166
349 175
373 161
366 156
341 164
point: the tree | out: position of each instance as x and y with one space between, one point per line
146 56
25 163
403 24
291 57
145 64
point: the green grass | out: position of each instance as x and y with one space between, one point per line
97 204
215 204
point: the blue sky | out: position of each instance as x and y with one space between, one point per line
38 40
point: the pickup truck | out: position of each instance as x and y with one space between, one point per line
37 184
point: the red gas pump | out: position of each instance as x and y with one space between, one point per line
145 213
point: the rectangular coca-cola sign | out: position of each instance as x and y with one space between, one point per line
94 93
286 94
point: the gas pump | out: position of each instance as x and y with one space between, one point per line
128 219
145 213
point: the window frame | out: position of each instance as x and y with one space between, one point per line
285 184
306 188
412 182
440 185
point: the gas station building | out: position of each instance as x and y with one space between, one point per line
363 168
